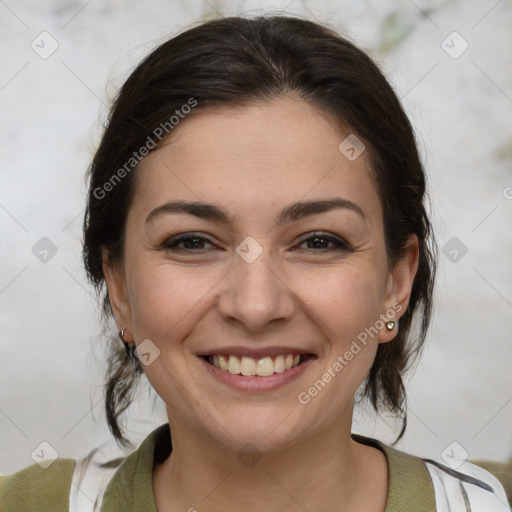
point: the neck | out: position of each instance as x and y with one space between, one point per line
327 471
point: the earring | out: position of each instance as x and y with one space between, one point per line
127 344
390 325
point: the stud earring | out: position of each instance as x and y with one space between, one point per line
390 325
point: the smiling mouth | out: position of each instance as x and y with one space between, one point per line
262 367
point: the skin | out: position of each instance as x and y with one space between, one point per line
253 162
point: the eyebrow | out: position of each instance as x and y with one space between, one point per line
291 213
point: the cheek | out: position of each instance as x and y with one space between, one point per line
346 304
344 300
167 300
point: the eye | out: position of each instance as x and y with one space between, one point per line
187 242
322 242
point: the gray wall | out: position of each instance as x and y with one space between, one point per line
52 108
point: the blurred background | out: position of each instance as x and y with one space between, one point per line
62 61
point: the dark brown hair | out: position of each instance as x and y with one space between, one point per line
227 63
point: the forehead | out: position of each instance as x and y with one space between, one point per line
256 157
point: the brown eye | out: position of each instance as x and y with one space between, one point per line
320 242
187 242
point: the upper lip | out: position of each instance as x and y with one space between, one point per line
255 353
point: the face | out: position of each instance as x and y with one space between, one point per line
253 238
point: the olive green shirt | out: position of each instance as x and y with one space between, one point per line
35 489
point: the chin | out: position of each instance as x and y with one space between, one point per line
263 429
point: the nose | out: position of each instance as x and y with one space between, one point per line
255 294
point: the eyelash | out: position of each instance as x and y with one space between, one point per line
339 244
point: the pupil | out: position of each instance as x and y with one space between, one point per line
193 243
318 242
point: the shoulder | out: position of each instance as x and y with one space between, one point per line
36 488
434 485
109 478
464 485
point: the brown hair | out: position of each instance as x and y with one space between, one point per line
233 61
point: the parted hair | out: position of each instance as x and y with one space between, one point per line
231 62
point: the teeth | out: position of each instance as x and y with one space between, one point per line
279 364
223 363
248 366
234 365
265 367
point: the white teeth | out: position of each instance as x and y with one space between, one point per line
234 365
279 364
265 367
248 366
223 363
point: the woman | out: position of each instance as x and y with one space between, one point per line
256 218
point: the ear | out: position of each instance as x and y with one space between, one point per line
117 293
399 287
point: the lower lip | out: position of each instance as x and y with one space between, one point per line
256 384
